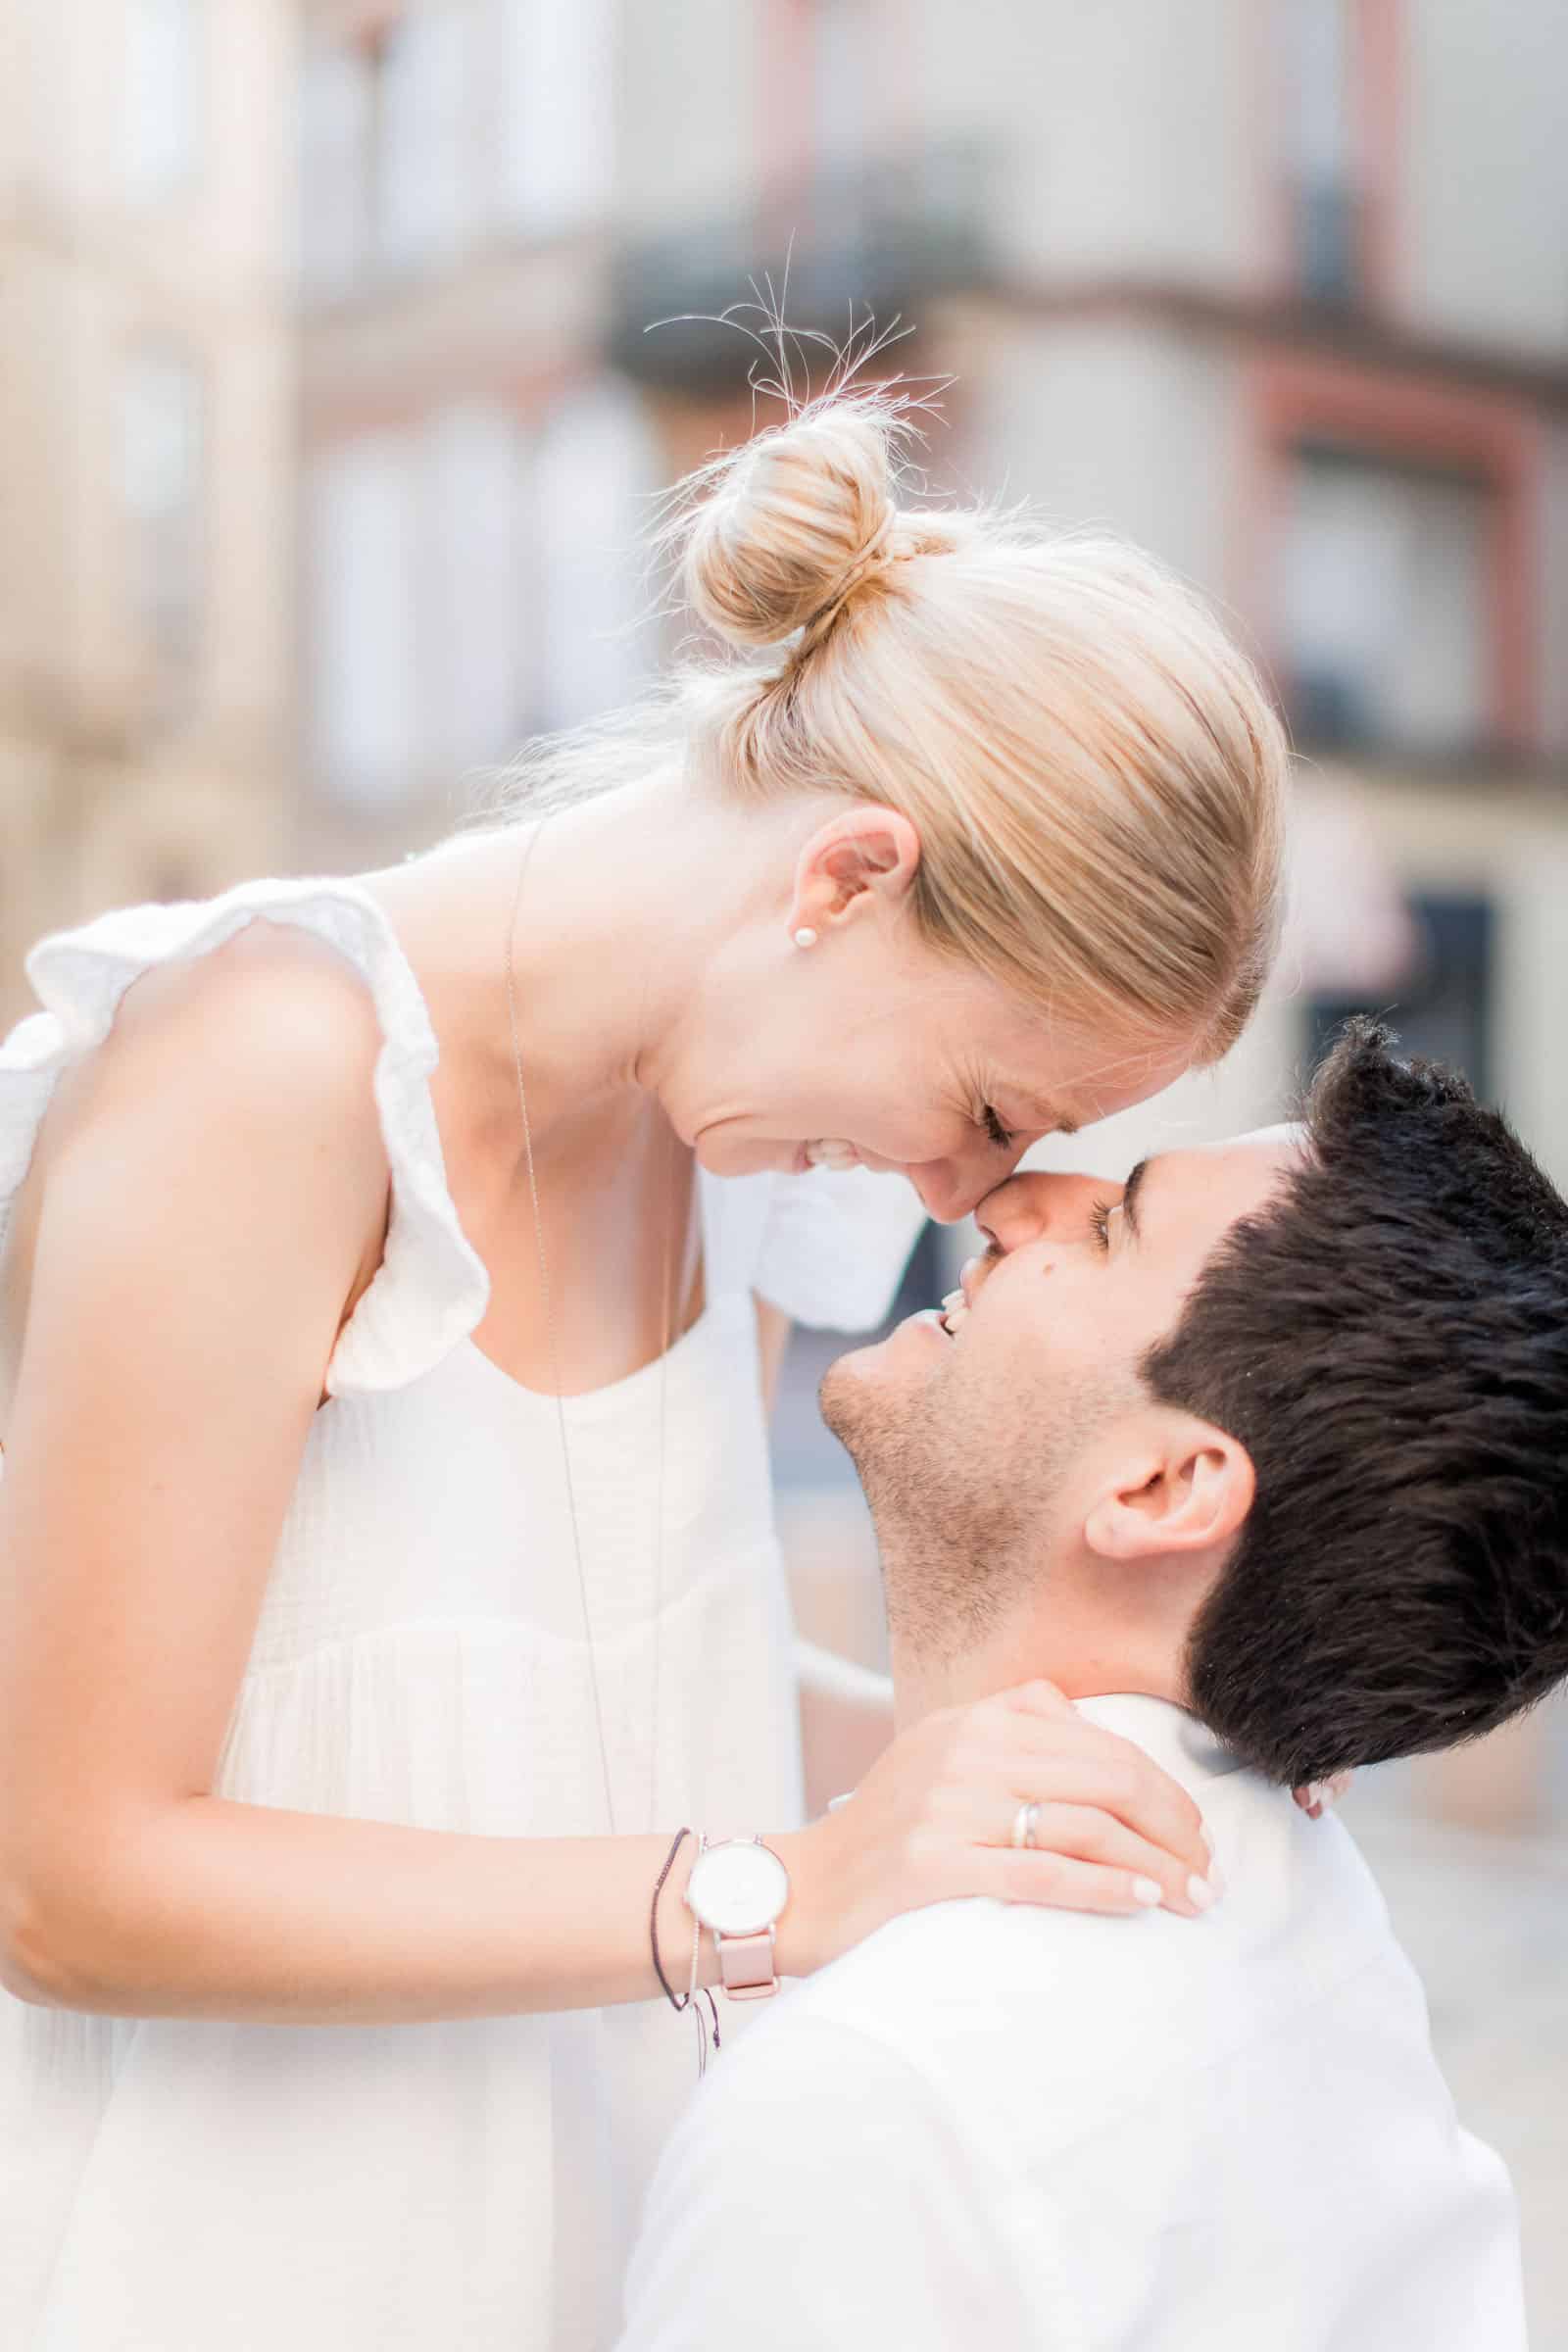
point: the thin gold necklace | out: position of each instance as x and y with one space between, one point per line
561 1409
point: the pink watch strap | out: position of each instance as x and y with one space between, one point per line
746 1966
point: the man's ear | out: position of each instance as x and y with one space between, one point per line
1189 1492
867 852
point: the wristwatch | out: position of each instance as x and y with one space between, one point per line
738 1888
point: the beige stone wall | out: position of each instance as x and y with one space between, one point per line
124 775
1484 172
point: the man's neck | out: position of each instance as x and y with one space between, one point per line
1083 1656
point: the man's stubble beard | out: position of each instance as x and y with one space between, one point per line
961 1491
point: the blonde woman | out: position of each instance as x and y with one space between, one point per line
392 1287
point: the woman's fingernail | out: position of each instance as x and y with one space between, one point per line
1146 1890
1206 1835
1199 1893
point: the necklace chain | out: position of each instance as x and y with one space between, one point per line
561 1409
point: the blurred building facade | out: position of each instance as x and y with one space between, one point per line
146 454
1278 289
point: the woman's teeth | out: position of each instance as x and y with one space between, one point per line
830 1153
954 1313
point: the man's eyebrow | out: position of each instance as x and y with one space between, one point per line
1129 1198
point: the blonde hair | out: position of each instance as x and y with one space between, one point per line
1094 767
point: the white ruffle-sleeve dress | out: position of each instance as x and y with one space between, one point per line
175 2185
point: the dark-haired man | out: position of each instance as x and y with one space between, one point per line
1259 1457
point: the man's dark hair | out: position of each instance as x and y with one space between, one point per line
1388 1339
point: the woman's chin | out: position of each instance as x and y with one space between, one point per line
741 1155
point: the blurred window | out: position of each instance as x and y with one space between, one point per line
1384 604
362 637
1444 1011
596 463
161 487
474 622
1321 144
424 180
560 100
843 94
844 108
336 129
161 95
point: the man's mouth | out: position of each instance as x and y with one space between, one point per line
955 1307
954 1313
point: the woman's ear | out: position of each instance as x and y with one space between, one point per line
1190 1494
866 854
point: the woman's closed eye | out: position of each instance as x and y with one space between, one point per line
1100 1223
994 1128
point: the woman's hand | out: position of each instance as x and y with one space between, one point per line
933 1820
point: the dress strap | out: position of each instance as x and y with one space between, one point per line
431 1288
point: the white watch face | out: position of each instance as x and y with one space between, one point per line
738 1889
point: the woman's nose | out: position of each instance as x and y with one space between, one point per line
948 1190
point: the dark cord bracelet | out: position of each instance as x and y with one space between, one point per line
684 2001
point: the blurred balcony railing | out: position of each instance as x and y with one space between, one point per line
877 239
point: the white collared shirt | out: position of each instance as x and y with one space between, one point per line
996 2125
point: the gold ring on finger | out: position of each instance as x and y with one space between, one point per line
1023 1824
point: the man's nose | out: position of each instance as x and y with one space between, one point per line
1040 1205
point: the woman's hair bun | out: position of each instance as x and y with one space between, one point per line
796 514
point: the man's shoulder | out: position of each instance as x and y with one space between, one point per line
1055 2013
809 2130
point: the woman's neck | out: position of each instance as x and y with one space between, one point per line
624 901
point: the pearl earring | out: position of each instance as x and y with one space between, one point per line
805 936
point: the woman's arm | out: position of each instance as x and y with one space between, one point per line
208 1182
772 1342
214 1180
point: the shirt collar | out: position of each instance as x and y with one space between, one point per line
1185 1747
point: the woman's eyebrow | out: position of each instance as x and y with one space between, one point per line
1046 1115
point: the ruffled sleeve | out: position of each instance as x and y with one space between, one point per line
833 1246
431 1287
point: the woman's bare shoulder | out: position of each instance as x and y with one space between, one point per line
261 1050
274 1018
274 993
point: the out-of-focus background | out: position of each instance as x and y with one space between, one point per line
329 415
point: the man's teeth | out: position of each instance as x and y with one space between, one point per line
954 1312
830 1153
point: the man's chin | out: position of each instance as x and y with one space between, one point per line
882 1377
